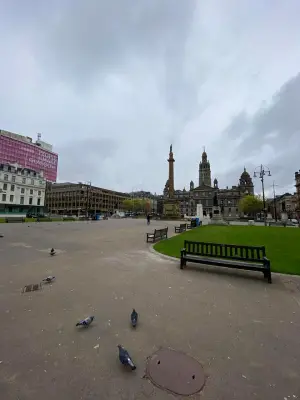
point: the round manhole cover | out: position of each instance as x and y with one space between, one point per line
175 372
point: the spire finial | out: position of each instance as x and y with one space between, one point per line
171 149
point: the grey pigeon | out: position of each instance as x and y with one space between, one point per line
134 318
125 358
49 279
52 252
86 322
1 235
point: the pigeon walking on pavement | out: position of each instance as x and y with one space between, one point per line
134 318
52 252
125 358
86 322
49 279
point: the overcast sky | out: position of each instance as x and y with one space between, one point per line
112 83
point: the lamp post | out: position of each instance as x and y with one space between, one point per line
260 173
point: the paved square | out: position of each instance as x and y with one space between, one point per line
245 333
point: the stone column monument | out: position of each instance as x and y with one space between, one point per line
171 205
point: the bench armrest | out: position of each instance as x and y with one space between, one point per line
266 261
183 252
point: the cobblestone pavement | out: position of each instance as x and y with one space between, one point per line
245 333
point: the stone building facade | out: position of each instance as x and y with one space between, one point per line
22 190
81 198
228 198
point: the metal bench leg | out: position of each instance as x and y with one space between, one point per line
181 263
269 277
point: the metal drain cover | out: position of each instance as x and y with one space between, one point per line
31 288
175 372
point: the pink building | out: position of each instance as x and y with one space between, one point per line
20 149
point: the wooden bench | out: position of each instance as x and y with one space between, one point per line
180 228
192 225
250 258
158 234
14 219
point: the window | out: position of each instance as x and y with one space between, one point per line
32 181
4 197
38 202
22 190
12 188
11 198
13 178
4 186
30 200
229 210
31 191
41 182
22 200
5 177
39 193
23 180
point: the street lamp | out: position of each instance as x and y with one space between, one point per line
260 173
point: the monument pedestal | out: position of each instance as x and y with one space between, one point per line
171 209
217 218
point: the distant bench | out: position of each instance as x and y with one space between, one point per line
192 225
180 228
250 258
158 234
14 219
69 219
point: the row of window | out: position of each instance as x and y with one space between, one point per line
13 179
22 198
12 189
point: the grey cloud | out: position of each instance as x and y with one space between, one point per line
277 126
281 118
238 126
84 159
105 35
113 83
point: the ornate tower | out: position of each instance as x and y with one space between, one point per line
171 173
246 184
204 171
192 186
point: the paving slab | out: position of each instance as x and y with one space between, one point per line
244 332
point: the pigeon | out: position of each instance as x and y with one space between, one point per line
134 318
52 252
1 235
86 322
125 358
49 279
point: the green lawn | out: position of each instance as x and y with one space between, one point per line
282 244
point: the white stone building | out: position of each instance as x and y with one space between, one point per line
22 190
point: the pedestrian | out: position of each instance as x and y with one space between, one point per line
148 219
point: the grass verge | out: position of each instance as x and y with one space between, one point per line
282 244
